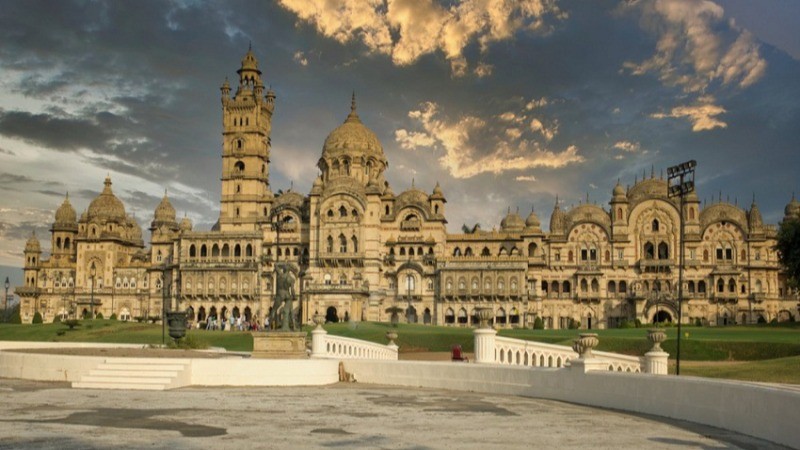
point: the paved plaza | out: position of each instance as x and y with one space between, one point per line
52 415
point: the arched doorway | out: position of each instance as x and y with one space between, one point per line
190 313
331 315
248 314
514 317
411 314
449 316
223 314
201 314
235 312
426 316
212 314
662 316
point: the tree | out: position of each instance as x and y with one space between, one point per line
788 247
37 318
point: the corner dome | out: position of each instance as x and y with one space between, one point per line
512 222
106 206
32 245
165 212
533 220
792 209
186 224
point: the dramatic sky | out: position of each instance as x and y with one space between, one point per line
505 103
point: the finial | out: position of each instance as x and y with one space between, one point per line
720 196
68 196
353 102
652 171
635 179
661 175
291 184
587 197
556 200
165 192
754 197
412 183
508 210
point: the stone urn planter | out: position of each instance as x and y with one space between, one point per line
656 336
394 318
319 319
391 335
584 344
484 314
177 324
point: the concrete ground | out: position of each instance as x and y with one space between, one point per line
52 415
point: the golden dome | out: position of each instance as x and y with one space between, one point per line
106 207
512 222
164 211
437 192
65 214
533 220
353 139
186 224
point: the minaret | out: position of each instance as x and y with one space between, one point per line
247 123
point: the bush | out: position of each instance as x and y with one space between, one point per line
698 322
625 323
574 324
86 315
113 316
37 318
538 323
57 318
638 323
187 342
99 315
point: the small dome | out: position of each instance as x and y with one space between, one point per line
512 222
106 206
353 139
249 62
317 182
754 219
793 208
32 245
65 214
186 224
437 192
619 194
134 230
164 211
533 220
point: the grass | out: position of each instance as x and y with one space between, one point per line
762 353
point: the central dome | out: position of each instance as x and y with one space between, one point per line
107 206
352 139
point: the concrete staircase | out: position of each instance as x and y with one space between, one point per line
155 374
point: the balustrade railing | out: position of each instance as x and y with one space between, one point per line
326 346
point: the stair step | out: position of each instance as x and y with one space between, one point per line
156 361
137 366
135 380
123 386
103 371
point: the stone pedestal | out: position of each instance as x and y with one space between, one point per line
318 346
279 345
484 345
655 362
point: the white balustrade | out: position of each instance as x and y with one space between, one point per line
519 352
324 345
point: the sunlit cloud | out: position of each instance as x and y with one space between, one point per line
409 29
703 116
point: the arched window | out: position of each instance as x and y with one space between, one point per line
192 251
619 213
249 250
411 251
485 252
731 285
655 225
386 210
203 251
342 211
330 245
612 287
532 249
567 287
690 287
475 284
663 250
238 167
595 286
354 240
584 285
462 284
237 251
226 251
570 256
468 251
215 250
58 242
555 287
649 250
701 287
720 285
457 252
66 243
342 244
623 287
402 251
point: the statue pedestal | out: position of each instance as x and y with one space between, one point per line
279 345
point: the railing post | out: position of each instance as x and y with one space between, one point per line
655 361
485 338
318 349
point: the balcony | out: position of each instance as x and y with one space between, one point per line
347 288
341 260
650 265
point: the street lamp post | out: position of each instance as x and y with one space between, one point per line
409 283
5 310
681 183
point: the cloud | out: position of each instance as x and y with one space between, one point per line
463 141
300 58
409 29
534 103
627 146
696 46
547 132
525 178
701 115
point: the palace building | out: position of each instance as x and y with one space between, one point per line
360 252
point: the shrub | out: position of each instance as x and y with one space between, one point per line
113 316
574 324
57 318
99 316
698 322
187 342
37 317
625 323
638 323
538 323
86 315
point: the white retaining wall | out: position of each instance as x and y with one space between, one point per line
758 410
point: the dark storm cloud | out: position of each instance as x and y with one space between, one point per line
22 230
53 132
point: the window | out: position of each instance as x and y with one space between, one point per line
342 244
729 253
329 247
342 211
592 254
355 244
462 284
663 251
655 225
457 252
327 278
570 256
720 285
649 250
410 283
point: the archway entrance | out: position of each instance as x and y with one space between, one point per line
662 316
201 314
426 316
411 314
331 315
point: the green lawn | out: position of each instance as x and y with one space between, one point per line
771 353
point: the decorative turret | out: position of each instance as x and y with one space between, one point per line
619 210
792 210
106 207
33 252
437 200
186 224
557 220
32 245
226 92
754 220
532 223
64 230
164 227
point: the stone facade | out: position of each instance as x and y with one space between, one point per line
361 252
